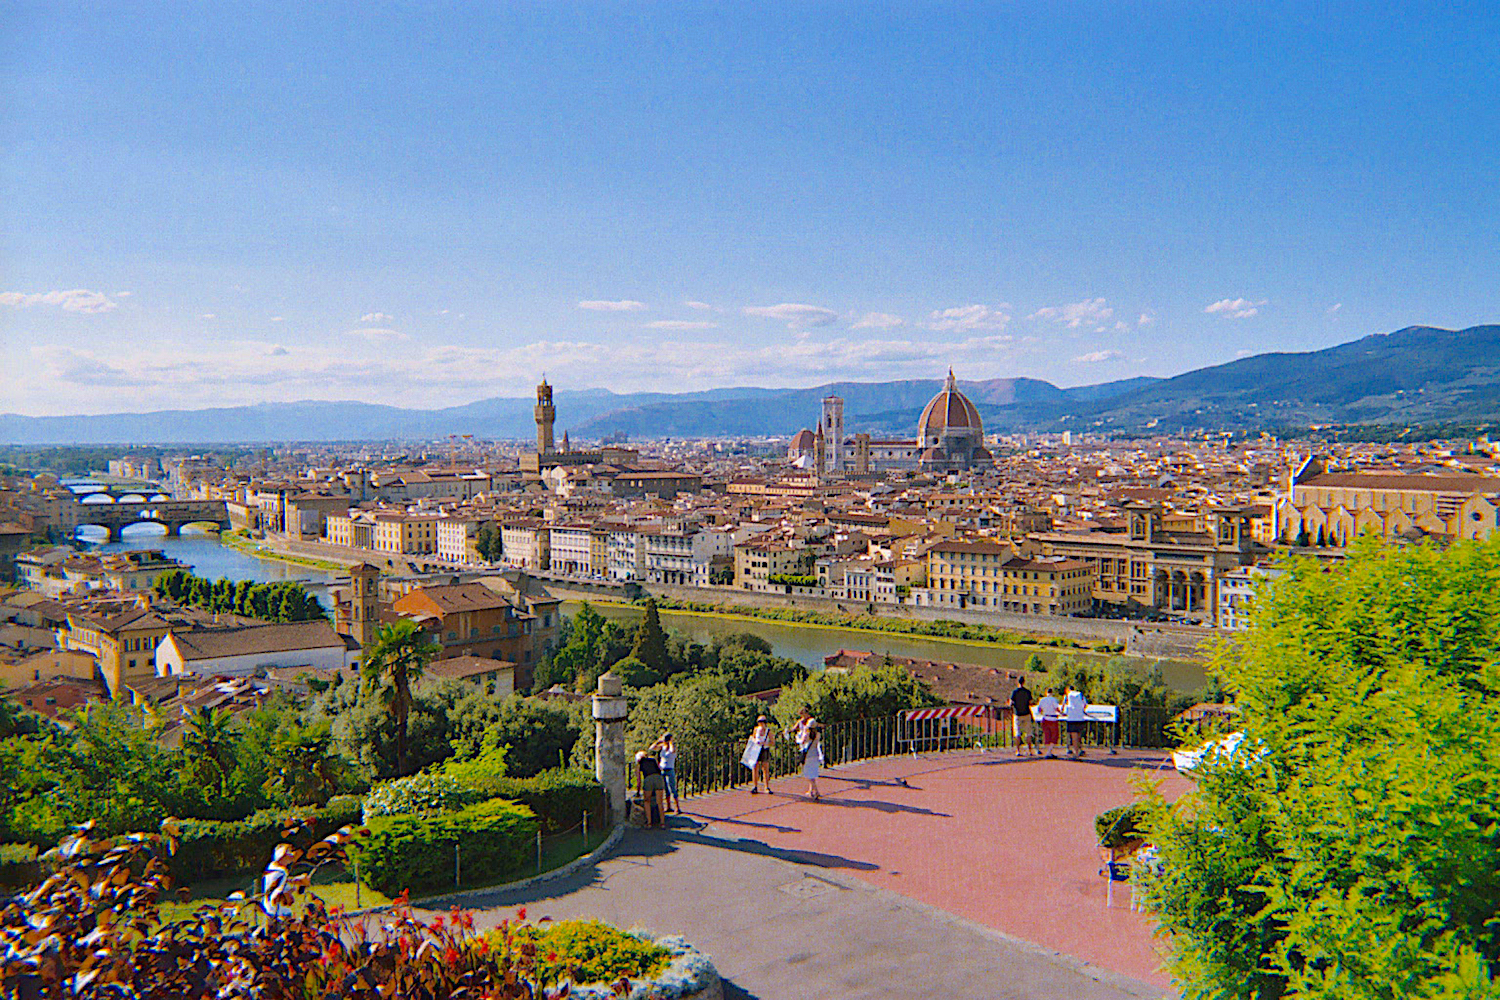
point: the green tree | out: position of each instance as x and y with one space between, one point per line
651 642
391 667
698 710
861 693
536 735
208 741
1349 850
303 768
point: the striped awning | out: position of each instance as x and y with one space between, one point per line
951 712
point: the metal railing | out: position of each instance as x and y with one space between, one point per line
705 769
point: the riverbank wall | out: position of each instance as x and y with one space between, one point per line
1170 642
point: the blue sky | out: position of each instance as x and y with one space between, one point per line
425 204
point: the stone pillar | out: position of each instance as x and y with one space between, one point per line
609 743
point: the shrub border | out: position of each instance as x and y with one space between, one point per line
456 898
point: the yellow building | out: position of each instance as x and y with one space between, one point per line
124 644
406 534
757 560
1047 586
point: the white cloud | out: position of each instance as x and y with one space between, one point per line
1146 318
1075 314
376 319
384 365
1121 326
604 305
123 295
79 300
1334 308
1234 308
1094 357
207 316
1243 353
794 314
694 304
877 321
975 317
680 324
278 319
375 334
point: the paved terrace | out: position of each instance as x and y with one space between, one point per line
963 874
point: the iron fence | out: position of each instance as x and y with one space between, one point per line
705 769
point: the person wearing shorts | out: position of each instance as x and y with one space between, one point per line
1022 725
1075 712
652 788
1049 711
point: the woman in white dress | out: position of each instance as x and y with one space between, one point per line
813 762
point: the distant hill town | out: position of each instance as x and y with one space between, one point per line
1412 376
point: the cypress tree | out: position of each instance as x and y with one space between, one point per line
650 641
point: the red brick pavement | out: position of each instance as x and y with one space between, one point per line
1006 842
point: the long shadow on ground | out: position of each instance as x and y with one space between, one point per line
639 845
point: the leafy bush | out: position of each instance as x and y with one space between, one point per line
861 693
533 735
588 951
559 797
423 793
1354 856
106 938
1120 825
210 848
407 852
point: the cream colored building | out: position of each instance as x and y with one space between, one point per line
1334 508
406 534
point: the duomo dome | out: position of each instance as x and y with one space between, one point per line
950 434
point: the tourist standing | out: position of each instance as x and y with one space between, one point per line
1075 710
1022 725
651 788
800 734
812 760
1049 711
758 755
666 758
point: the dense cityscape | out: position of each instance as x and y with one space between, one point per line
749 501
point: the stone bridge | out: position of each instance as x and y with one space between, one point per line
171 514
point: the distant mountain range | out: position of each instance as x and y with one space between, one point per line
1415 375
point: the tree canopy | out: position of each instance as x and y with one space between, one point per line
1350 849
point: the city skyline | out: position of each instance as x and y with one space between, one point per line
206 207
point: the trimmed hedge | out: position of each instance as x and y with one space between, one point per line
416 853
211 848
559 797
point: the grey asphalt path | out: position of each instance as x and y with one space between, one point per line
795 925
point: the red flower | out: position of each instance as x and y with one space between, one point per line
482 946
551 956
437 924
521 913
451 955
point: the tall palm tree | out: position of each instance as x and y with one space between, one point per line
391 666
209 742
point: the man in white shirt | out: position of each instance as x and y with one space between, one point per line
1048 711
1075 707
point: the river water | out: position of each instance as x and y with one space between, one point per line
808 644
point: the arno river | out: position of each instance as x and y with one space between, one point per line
807 644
